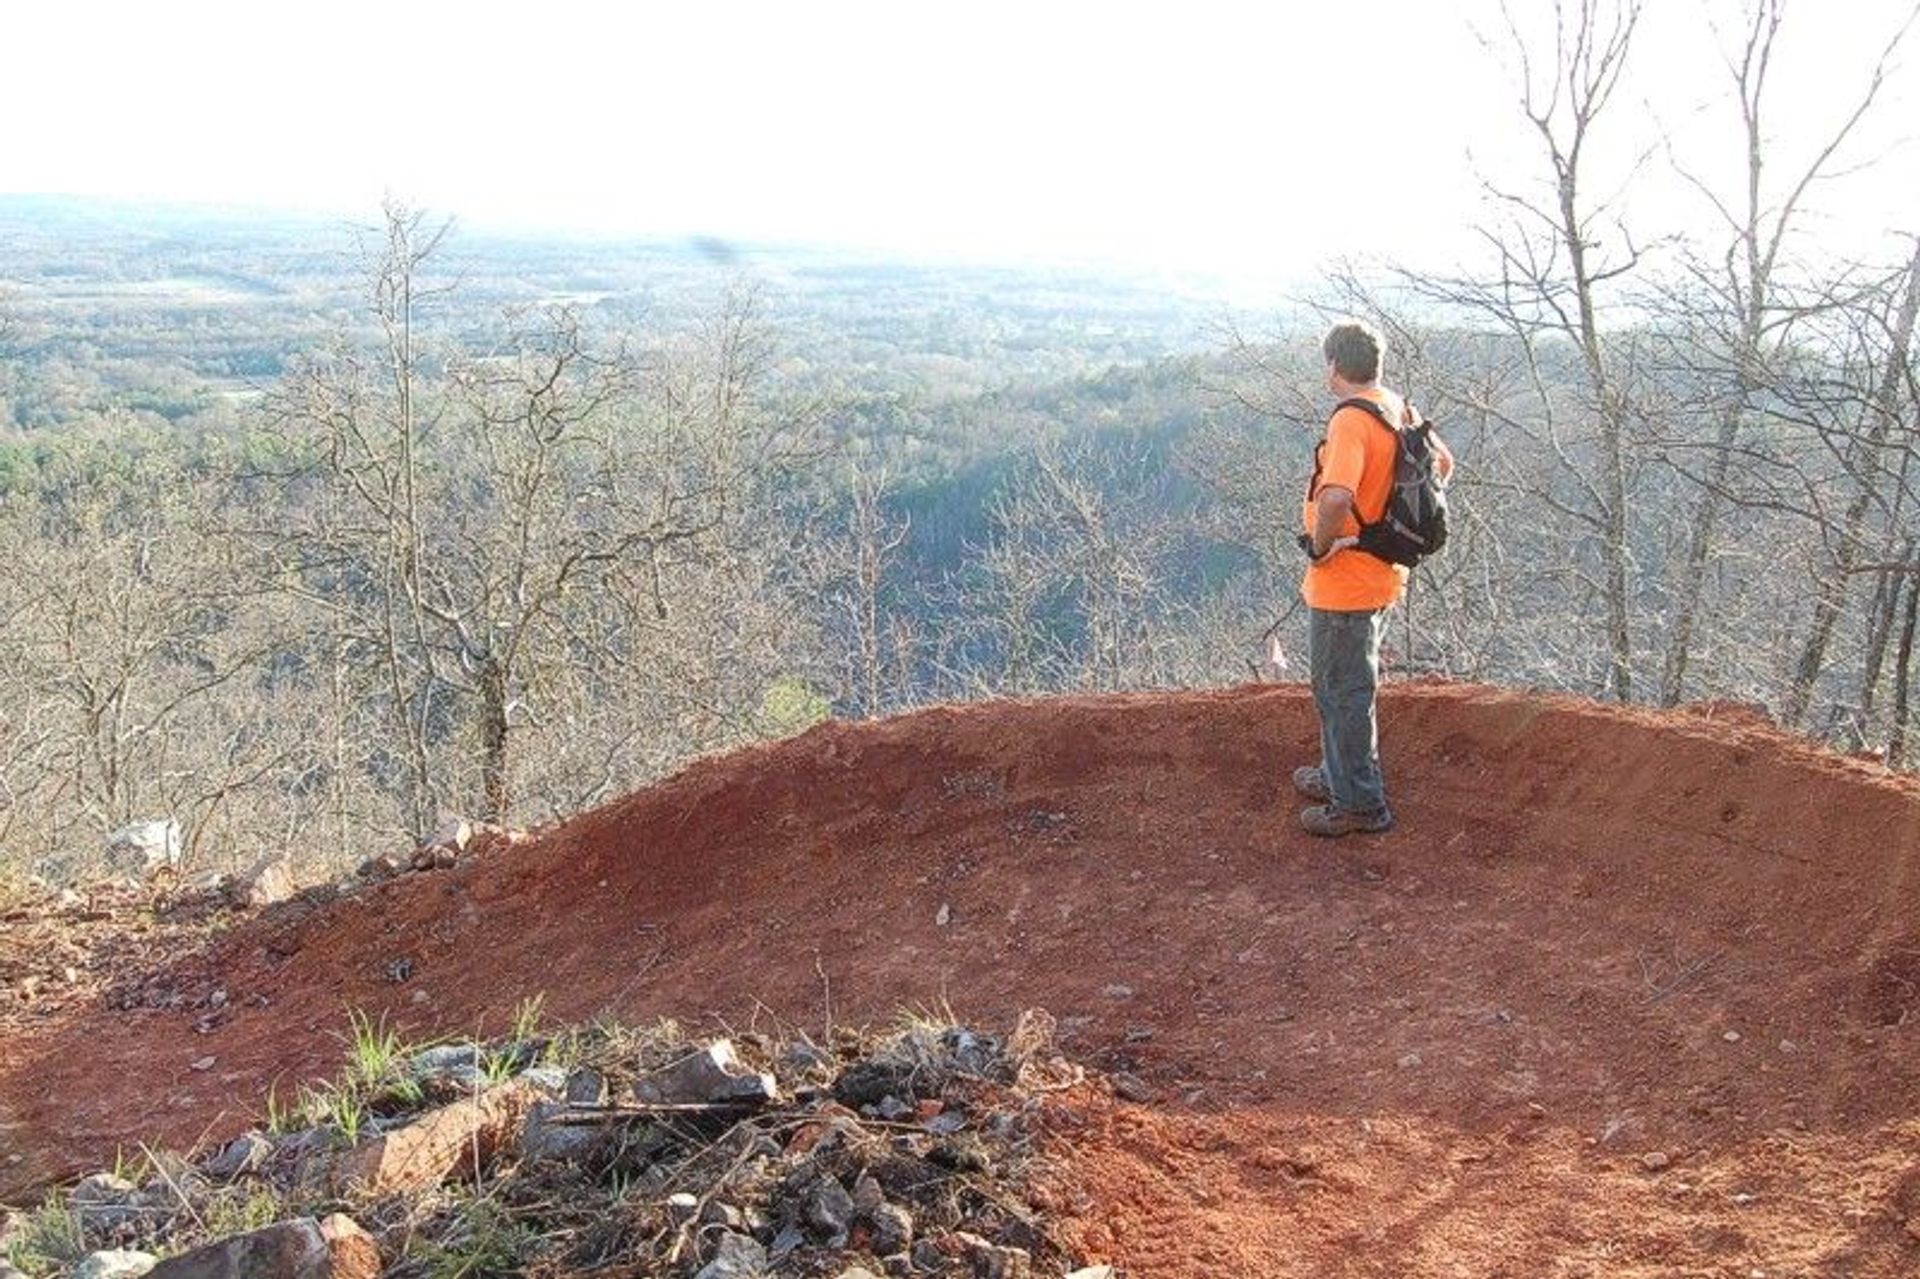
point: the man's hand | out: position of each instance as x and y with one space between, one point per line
1338 544
1332 511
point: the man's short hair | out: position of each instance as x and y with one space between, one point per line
1353 347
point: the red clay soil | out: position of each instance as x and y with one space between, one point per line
1624 994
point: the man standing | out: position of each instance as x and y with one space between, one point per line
1348 590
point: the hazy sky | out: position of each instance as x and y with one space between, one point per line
1242 137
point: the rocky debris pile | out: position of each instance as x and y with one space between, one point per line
452 842
333 1248
122 938
910 1153
62 946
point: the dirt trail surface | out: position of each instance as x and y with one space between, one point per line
1625 993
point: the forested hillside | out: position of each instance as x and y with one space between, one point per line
316 534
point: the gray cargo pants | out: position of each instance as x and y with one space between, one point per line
1343 650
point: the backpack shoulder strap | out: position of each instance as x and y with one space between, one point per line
1379 415
1373 410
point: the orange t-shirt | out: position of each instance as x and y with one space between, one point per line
1357 455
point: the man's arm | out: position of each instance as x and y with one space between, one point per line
1442 457
1331 511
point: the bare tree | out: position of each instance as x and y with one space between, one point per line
1752 315
474 523
131 672
1074 567
1852 538
855 578
1557 255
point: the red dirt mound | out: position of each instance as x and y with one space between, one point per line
1625 993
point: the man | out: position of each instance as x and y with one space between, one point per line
1348 590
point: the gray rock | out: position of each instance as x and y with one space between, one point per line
801 1056
384 866
548 1078
586 1088
209 883
867 1196
102 1188
711 1075
726 1216
892 1229
145 848
243 1154
117 1263
544 1141
265 883
986 1260
735 1257
299 1249
8 1272
830 1211
452 835
874 1081
789 1238
104 1201
284 1250
971 1053
928 1256
454 1064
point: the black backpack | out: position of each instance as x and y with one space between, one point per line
1414 525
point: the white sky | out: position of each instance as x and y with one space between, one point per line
1237 137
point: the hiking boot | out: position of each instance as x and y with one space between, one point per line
1330 822
1311 780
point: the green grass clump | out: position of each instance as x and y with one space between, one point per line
242 1209
482 1239
53 1239
374 1052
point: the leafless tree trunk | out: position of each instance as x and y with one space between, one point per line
1849 540
1554 272
1758 317
874 538
1903 675
1592 63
